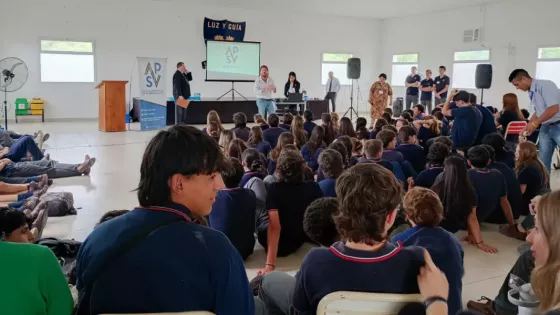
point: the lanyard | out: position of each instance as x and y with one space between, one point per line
531 95
164 209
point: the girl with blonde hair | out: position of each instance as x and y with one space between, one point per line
225 139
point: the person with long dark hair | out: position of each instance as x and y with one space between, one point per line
292 86
311 150
285 139
361 129
346 128
330 135
236 149
257 142
498 143
308 125
459 200
379 124
241 130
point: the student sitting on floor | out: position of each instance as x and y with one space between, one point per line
287 120
338 147
284 139
282 233
51 168
272 134
533 180
444 122
32 279
498 143
21 148
379 124
233 212
330 134
428 128
318 221
214 125
254 164
459 200
419 111
357 149
241 130
226 137
347 142
256 141
373 151
331 164
364 261
488 124
389 140
401 123
311 150
346 128
424 212
411 152
299 132
259 120
308 125
491 189
236 148
436 156
361 129
467 120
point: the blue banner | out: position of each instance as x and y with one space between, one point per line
224 30
152 116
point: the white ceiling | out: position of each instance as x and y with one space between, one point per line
377 9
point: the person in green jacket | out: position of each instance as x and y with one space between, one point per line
31 277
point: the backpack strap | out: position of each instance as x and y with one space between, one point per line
83 305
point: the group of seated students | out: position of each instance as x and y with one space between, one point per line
199 197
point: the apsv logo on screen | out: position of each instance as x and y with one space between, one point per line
152 74
232 55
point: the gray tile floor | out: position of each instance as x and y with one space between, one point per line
113 179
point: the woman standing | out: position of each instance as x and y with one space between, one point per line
292 86
379 93
509 114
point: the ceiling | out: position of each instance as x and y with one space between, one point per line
377 9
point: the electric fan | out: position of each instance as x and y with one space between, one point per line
13 75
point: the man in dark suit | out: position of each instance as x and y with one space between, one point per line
181 90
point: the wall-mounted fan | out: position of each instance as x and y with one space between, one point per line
13 75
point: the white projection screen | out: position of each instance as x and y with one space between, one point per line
228 61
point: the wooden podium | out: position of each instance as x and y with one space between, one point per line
112 105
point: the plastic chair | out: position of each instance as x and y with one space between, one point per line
361 303
182 313
515 128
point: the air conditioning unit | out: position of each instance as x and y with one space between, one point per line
472 35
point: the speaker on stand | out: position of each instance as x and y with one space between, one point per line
353 71
483 79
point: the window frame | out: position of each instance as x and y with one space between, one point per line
335 63
545 60
55 52
479 61
411 64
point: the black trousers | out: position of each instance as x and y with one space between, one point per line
331 96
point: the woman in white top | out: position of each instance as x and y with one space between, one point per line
292 86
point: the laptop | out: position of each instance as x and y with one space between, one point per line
295 97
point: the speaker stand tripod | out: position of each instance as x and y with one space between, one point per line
351 109
233 91
482 97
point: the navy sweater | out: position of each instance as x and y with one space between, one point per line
393 269
414 154
447 254
179 267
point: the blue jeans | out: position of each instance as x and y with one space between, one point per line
20 148
265 107
549 138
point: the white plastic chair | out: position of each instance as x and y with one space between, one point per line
182 313
361 303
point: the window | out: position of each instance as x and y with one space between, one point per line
337 63
464 67
67 61
402 65
548 64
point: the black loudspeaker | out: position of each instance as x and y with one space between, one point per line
354 68
483 78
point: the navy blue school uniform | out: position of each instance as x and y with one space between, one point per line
373 134
425 134
311 159
447 254
490 186
392 155
270 166
531 176
426 96
392 269
467 121
488 124
263 147
328 186
242 133
187 256
320 175
272 134
515 197
264 127
507 157
309 126
414 154
384 163
445 127
290 200
247 177
287 127
233 213
427 178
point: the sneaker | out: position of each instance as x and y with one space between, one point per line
46 137
85 167
482 307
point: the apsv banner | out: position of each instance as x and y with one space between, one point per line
152 77
224 30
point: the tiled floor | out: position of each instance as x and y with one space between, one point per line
113 179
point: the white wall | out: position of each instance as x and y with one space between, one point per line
125 29
525 25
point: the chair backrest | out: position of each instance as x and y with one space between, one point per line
362 303
515 127
182 313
